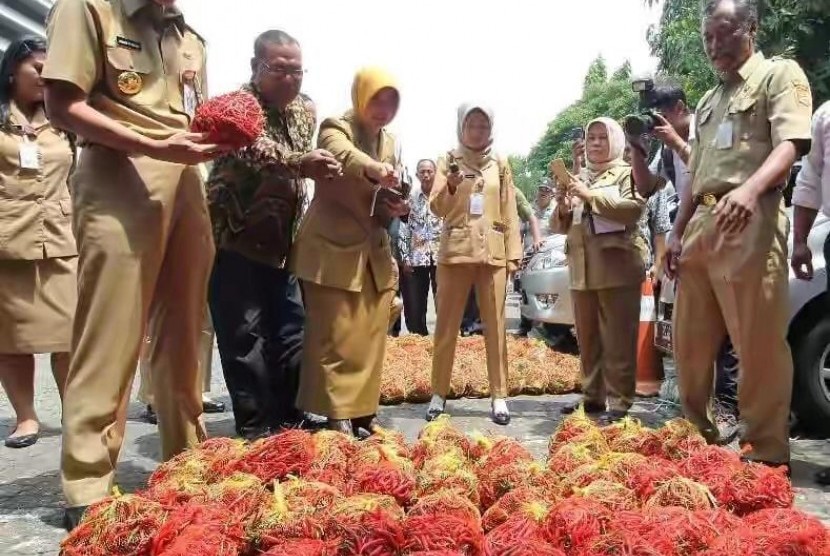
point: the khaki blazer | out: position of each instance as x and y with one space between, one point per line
611 260
35 206
491 238
339 240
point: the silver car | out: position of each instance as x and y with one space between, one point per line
809 334
545 284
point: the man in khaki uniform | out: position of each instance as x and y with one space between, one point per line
125 76
732 259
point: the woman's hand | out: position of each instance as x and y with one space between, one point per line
453 181
579 190
383 174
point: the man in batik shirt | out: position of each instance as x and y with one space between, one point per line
420 239
255 197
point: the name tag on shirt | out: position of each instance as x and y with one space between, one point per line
724 140
476 204
191 100
29 156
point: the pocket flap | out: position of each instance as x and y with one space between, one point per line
124 59
742 104
66 206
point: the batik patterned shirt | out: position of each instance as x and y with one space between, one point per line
421 237
256 194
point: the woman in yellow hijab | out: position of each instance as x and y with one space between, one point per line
342 256
599 211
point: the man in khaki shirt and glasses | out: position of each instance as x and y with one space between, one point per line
126 76
732 258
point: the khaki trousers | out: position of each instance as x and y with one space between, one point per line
738 285
145 387
145 251
454 283
607 325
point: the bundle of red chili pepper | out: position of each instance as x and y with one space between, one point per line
623 490
234 119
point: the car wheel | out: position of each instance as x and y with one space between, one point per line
811 393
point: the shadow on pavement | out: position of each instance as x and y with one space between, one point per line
42 495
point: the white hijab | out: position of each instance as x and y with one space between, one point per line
616 147
476 159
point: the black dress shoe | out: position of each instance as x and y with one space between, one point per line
612 416
502 419
23 441
149 415
341 425
72 517
434 413
590 408
364 427
213 406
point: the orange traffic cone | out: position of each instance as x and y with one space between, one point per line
649 362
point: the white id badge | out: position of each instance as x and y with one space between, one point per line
191 101
29 156
476 204
724 139
577 213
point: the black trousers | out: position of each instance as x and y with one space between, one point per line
726 383
416 307
258 316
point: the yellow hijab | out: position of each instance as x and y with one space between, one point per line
367 83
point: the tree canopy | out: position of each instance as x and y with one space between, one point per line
799 29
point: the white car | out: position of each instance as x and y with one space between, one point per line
809 334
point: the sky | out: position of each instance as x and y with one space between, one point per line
527 60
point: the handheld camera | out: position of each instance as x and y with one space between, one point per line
643 123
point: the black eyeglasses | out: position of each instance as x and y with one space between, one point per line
283 72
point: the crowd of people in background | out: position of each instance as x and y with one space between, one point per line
123 236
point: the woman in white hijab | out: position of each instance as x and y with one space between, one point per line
599 211
480 246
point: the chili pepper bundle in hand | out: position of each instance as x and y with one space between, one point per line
234 119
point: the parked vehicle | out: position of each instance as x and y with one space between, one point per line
545 285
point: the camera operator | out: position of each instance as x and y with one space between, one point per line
673 127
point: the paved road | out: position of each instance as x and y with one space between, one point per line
30 497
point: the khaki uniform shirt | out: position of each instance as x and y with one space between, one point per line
339 240
491 238
608 260
739 124
139 65
35 207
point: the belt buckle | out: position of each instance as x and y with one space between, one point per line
708 200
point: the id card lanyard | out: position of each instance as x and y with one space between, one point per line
477 198
29 153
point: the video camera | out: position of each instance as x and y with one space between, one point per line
643 123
